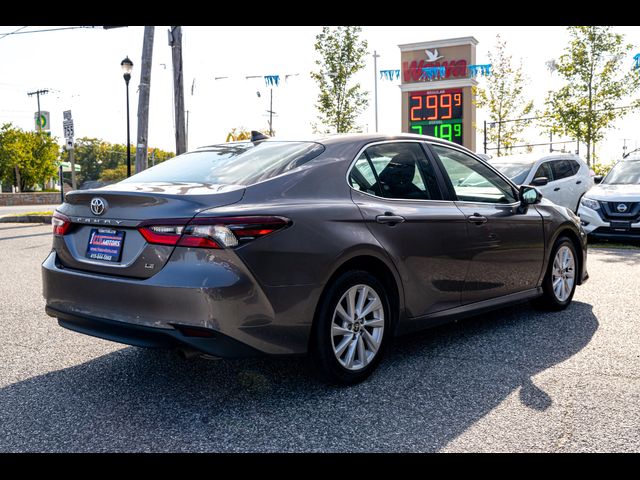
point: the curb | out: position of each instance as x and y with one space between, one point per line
26 219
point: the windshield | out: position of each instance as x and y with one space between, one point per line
624 173
232 164
516 172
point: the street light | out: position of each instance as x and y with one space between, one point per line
127 66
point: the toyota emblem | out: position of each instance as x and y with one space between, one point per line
621 207
98 205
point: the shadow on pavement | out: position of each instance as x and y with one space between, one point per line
431 387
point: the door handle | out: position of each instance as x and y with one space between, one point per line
578 182
389 218
477 219
556 189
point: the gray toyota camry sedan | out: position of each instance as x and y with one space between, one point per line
329 247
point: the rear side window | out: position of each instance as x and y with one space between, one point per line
398 169
562 169
232 164
575 166
362 177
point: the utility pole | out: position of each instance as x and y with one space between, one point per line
143 99
37 93
175 42
271 112
375 84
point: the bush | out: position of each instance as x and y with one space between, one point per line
601 168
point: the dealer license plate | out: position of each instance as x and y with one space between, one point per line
105 244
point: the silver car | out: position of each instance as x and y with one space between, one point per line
562 178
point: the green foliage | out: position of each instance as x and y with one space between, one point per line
597 77
504 98
601 168
113 174
96 156
29 156
342 55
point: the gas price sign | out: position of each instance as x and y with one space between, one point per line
437 113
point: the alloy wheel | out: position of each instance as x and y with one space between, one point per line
357 327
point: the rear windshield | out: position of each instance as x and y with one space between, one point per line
232 164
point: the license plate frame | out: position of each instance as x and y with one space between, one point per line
620 225
105 244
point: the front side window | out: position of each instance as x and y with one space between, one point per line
397 170
472 180
544 170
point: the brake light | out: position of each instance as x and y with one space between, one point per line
61 224
211 232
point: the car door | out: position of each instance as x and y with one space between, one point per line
506 244
564 183
400 195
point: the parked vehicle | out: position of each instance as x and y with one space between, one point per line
611 209
328 247
562 178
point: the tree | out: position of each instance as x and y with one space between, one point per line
504 98
26 158
596 79
96 156
342 55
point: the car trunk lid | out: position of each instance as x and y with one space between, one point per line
118 211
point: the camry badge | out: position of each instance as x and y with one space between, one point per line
98 205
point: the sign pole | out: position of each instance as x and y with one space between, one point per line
73 168
67 125
61 183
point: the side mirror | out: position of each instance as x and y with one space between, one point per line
529 195
597 178
540 181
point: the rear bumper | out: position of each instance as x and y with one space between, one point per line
211 291
217 344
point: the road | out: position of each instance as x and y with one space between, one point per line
17 209
516 380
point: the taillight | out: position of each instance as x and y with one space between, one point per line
61 224
212 232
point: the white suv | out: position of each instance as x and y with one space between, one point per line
612 209
561 177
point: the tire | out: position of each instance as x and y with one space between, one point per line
350 357
563 255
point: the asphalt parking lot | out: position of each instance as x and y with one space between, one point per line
513 380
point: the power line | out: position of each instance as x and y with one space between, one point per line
18 32
12 33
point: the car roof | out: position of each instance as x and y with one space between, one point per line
526 158
338 138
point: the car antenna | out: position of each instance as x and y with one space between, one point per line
257 136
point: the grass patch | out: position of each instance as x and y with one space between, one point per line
28 213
